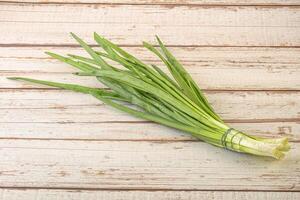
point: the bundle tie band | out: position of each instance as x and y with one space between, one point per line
224 138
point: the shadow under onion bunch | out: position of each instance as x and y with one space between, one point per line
175 102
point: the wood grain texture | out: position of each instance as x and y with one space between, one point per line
271 105
175 2
44 194
56 144
59 114
125 131
130 24
142 165
232 68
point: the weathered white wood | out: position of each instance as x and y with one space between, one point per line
130 24
46 194
65 106
175 2
213 68
133 131
142 165
63 125
217 55
67 115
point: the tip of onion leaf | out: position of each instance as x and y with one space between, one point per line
14 78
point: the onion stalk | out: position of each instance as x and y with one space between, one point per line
147 92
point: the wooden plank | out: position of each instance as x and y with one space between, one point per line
232 68
175 2
142 165
81 107
42 194
133 131
66 115
130 24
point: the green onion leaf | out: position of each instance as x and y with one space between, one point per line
147 92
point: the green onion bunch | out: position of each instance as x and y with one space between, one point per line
147 92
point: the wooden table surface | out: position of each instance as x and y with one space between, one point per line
56 144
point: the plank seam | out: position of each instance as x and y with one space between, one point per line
156 4
203 26
205 90
297 120
141 189
161 141
137 45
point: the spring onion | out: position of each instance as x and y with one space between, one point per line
147 92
